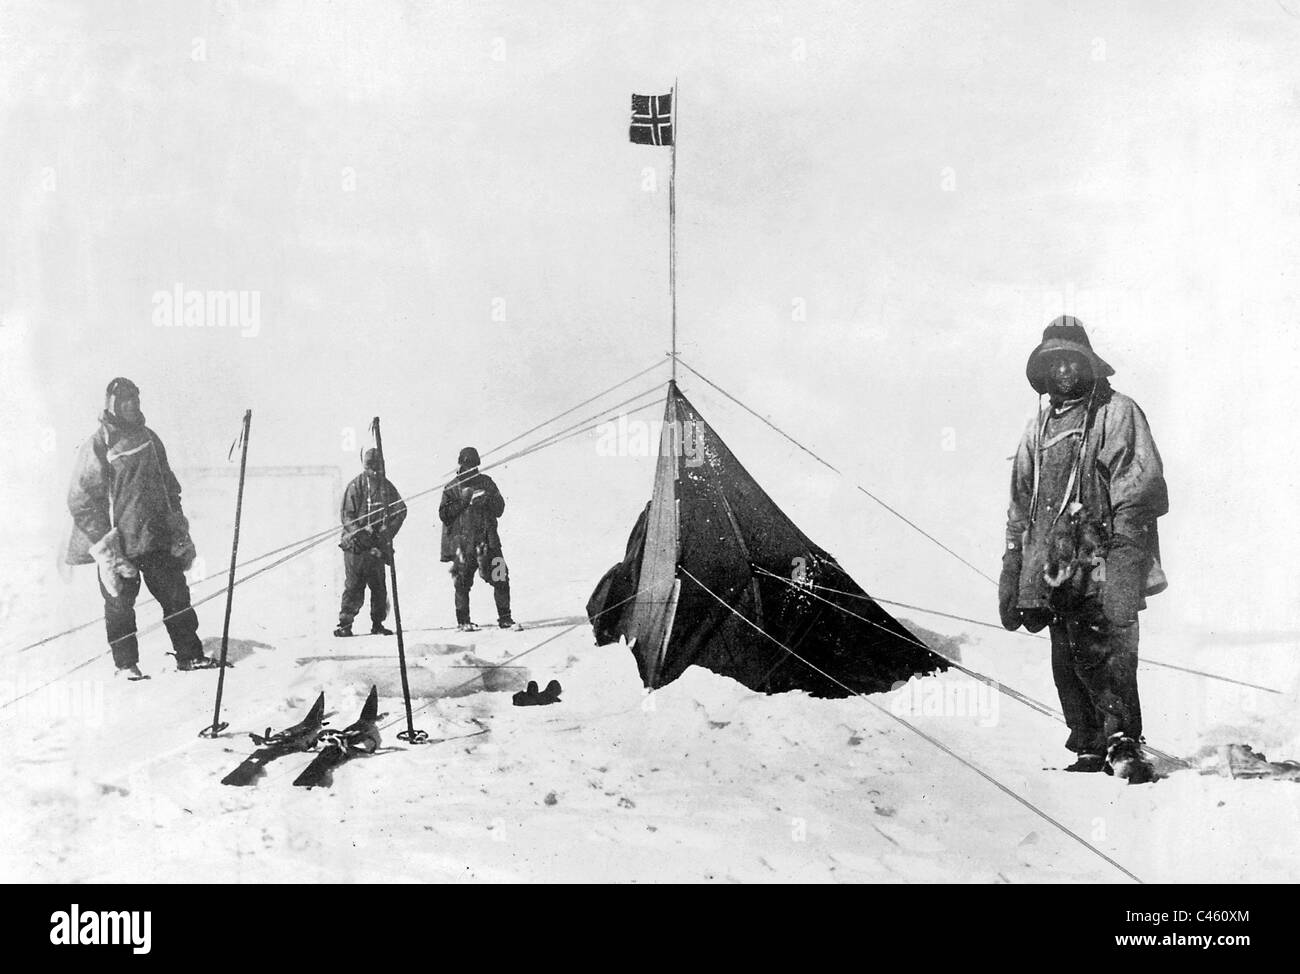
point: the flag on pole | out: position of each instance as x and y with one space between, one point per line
652 119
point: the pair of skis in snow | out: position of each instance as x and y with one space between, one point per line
336 746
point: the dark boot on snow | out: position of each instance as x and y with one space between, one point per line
1089 763
131 673
532 697
199 662
378 630
342 631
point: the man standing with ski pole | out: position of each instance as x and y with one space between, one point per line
372 513
1082 550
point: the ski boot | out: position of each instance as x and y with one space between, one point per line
343 630
508 623
466 627
199 662
131 673
1125 759
1089 763
378 630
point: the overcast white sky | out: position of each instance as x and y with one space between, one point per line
932 181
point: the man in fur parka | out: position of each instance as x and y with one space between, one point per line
1082 551
469 509
127 519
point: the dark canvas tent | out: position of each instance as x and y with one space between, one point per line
711 541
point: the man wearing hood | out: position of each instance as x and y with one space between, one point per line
1082 551
469 509
127 519
372 513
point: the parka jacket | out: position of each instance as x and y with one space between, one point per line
121 477
467 526
1121 484
366 523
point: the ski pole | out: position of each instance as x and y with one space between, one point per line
410 735
216 727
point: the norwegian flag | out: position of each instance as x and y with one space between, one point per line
652 119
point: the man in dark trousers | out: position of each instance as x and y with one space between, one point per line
372 513
470 506
127 519
1081 545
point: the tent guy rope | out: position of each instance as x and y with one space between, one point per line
932 740
316 540
829 466
1017 695
329 531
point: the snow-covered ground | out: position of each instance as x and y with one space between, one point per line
107 781
702 781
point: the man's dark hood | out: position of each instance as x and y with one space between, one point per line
467 459
120 388
1065 334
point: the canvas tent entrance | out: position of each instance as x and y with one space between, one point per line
711 541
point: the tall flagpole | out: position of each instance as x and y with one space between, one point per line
672 228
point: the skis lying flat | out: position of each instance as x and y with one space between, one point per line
300 737
338 747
